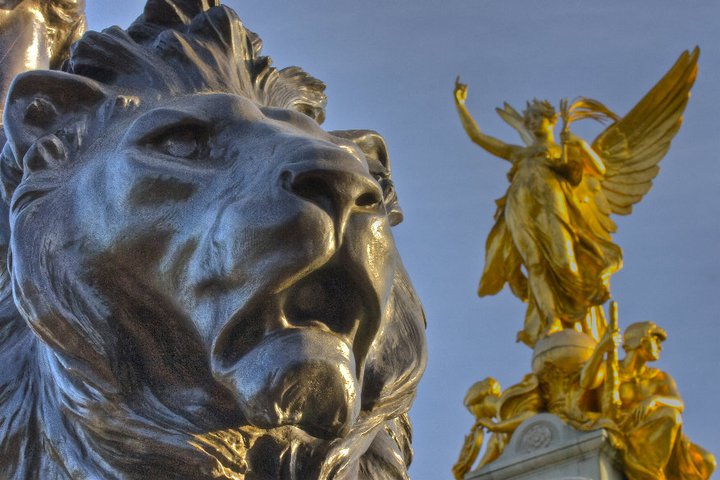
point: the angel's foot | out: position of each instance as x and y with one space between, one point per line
553 325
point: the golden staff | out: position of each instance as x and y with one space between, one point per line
566 118
611 392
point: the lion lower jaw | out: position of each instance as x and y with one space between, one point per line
302 377
236 453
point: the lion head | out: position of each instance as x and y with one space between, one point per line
201 282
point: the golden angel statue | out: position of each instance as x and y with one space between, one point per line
551 241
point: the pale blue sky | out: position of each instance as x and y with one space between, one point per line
390 66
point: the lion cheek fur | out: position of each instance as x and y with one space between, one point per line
300 377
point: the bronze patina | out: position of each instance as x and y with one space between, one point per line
202 283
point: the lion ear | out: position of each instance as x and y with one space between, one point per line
42 104
373 146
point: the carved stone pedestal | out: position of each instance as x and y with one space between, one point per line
545 448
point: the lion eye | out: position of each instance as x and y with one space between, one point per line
187 142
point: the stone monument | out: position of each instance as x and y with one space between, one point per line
546 448
200 281
582 412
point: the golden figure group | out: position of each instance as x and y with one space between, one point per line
551 243
646 427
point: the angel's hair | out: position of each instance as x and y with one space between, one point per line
539 108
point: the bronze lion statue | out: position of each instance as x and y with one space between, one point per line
200 281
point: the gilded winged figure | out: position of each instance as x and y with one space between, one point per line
551 241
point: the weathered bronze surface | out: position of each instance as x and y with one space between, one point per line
202 283
552 244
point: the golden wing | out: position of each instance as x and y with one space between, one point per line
632 147
515 120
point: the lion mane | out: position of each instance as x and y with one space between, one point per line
93 355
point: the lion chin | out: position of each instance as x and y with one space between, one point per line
298 377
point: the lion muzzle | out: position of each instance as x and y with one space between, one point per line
302 377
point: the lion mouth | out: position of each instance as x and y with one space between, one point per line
331 299
298 358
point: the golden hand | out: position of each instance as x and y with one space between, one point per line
485 423
643 409
569 138
610 341
460 91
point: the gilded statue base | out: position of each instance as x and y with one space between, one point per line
545 448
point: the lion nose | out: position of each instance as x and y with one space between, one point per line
338 192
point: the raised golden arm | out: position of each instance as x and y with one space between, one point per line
490 144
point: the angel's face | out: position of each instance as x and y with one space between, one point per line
540 125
